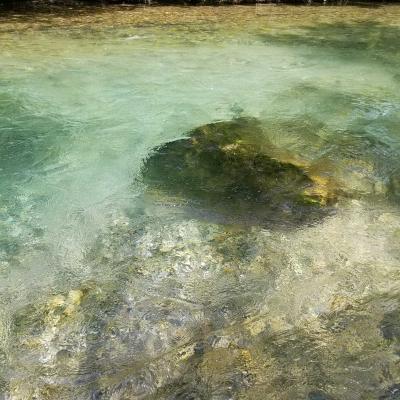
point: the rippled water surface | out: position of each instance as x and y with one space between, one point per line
180 284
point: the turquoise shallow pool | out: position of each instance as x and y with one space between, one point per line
110 289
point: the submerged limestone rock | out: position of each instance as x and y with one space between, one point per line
229 171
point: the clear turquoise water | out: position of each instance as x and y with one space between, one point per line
107 293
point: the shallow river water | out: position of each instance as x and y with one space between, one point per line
112 290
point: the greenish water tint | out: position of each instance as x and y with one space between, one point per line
111 291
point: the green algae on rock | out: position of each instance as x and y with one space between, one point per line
227 171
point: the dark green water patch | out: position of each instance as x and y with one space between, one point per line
29 140
224 172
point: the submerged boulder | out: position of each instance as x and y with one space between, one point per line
227 171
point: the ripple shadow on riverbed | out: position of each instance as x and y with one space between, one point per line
366 39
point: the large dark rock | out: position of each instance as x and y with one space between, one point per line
224 171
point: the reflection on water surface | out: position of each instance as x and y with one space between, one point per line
119 278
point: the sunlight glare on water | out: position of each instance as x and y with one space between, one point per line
115 284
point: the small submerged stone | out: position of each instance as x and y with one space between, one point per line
392 393
318 395
227 171
390 325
